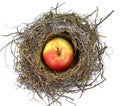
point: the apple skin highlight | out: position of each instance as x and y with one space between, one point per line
58 54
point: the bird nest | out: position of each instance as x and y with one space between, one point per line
87 66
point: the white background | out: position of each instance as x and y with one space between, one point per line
15 12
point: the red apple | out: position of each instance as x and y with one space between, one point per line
58 54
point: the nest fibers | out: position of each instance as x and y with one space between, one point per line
87 67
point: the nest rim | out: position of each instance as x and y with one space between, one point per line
79 48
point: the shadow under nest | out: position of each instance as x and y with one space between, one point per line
86 68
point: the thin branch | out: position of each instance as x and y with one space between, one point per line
95 85
9 42
6 45
14 33
95 11
57 6
56 99
71 102
28 59
103 19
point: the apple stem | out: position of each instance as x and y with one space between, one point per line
58 51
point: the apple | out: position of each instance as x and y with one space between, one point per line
58 54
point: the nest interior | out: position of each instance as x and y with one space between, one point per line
86 68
